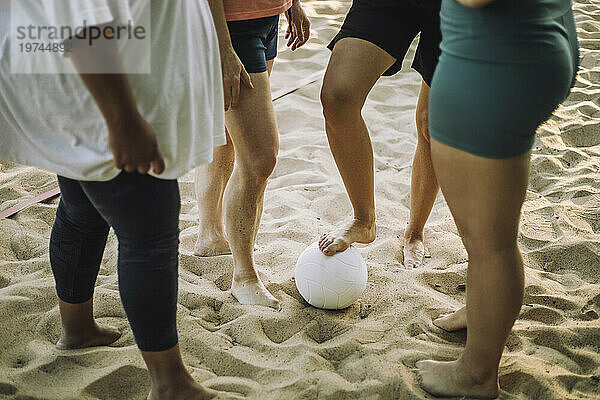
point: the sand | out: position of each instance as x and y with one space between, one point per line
369 350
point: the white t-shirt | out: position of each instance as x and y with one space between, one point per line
50 121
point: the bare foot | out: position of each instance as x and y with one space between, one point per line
210 246
452 322
97 336
253 292
414 253
340 239
188 391
449 379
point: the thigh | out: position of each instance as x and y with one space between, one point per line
140 208
354 68
484 195
76 208
251 124
391 25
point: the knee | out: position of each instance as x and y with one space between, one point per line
259 168
156 251
484 246
339 100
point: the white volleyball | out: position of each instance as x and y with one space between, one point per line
330 282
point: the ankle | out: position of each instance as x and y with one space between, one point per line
211 233
477 373
171 382
367 220
413 235
82 329
245 277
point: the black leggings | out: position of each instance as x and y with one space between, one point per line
144 213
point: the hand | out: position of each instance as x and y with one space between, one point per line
298 31
133 144
234 74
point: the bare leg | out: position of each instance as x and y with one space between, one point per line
210 184
170 379
79 328
253 131
424 187
354 68
485 197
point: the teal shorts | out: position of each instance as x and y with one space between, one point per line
500 76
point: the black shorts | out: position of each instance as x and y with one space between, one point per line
392 25
255 41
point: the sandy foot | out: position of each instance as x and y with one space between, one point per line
340 239
452 322
445 379
100 336
253 293
210 247
414 253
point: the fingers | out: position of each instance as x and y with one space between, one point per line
299 39
246 78
141 165
235 91
119 164
130 167
292 33
300 33
143 168
125 164
305 33
291 37
158 164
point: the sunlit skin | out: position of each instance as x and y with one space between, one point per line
485 197
230 190
346 85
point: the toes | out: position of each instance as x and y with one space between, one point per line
439 322
275 304
254 294
413 258
335 247
325 244
451 322
321 240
